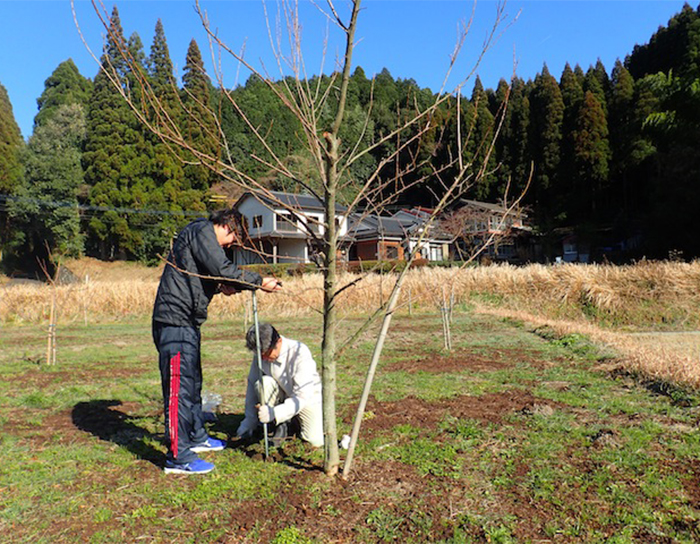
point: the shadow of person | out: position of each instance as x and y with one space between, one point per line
101 419
253 446
226 423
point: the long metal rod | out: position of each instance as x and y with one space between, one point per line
258 357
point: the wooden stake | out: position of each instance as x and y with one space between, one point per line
51 343
85 299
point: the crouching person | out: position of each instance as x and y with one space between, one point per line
291 386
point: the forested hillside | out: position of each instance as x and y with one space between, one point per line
614 149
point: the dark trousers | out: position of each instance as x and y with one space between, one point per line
181 377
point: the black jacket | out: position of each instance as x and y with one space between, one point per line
183 295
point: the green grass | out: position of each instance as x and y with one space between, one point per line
610 459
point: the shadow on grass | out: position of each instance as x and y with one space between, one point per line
677 395
292 451
101 419
225 423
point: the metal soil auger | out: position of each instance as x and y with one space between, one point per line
258 357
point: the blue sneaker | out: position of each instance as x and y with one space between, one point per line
210 444
198 466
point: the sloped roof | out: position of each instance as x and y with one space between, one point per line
399 225
484 205
375 224
415 214
278 199
490 207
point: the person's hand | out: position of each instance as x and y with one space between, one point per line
265 413
227 290
271 284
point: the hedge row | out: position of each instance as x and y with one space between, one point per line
379 267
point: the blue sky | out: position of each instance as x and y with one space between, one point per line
411 38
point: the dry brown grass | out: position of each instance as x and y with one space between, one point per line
117 271
666 360
648 295
603 302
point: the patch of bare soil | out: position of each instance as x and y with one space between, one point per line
447 364
490 408
497 359
341 513
40 378
691 483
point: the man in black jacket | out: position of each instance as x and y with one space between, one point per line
197 269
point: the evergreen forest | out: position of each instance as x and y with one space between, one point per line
613 151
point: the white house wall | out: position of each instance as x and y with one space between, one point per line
342 221
250 208
314 222
289 247
431 250
291 251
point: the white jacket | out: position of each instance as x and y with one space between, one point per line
299 382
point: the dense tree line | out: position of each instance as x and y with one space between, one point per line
93 178
614 156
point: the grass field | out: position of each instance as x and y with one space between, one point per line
517 435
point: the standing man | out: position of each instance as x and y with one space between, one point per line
196 269
291 384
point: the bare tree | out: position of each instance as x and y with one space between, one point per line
476 227
330 158
51 270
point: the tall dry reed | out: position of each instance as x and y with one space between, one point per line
646 295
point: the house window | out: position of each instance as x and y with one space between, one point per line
314 224
391 252
285 223
436 253
257 221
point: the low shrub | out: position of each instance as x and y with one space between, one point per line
382 267
282 269
379 267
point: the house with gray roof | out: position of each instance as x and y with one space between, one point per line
288 228
285 227
495 231
378 238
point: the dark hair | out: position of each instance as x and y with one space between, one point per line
268 337
232 219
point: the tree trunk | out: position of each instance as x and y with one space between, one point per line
331 158
330 432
